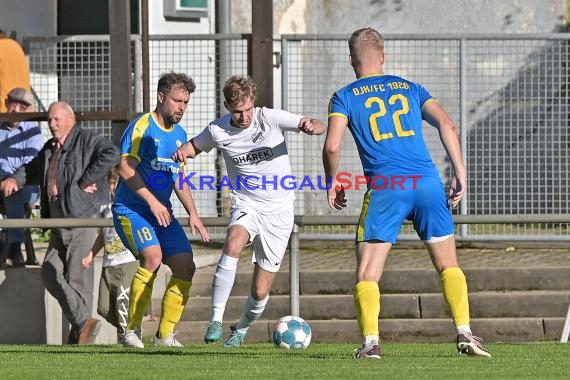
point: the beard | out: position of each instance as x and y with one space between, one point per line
173 118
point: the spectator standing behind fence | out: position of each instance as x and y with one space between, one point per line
143 214
261 216
384 114
14 68
20 142
71 168
119 267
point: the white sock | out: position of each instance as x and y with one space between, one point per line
371 339
464 329
222 285
252 311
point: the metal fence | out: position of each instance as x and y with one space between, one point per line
76 69
209 60
507 93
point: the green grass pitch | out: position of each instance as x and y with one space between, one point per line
263 361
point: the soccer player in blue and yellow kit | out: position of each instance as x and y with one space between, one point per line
142 212
384 113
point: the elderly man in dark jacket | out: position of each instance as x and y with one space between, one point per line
72 169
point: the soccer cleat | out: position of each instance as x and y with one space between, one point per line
213 332
235 339
468 344
169 341
132 338
368 351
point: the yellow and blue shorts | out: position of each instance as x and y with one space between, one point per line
140 229
385 210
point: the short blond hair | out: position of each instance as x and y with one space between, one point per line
364 39
239 89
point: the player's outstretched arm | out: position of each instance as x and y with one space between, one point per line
434 114
312 126
188 150
331 159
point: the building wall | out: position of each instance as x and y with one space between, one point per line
38 17
409 16
28 18
158 24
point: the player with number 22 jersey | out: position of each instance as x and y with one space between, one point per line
384 117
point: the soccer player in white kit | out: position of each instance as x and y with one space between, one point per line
252 143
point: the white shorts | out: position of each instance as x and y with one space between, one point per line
268 233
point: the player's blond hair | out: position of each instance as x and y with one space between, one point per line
365 39
239 89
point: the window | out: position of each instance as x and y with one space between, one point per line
185 9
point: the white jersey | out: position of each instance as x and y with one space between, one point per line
257 160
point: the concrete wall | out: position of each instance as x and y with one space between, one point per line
22 296
30 315
37 17
409 16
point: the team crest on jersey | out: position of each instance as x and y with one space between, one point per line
178 143
257 136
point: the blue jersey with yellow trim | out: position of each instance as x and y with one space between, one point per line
152 146
384 117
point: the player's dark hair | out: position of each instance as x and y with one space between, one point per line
172 79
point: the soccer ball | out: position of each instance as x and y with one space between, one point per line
292 333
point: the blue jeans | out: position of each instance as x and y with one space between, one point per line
15 208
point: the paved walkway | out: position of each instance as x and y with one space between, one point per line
339 255
335 255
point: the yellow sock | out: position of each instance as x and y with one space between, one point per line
367 302
455 294
139 297
173 302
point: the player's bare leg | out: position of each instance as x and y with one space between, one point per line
443 255
370 258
